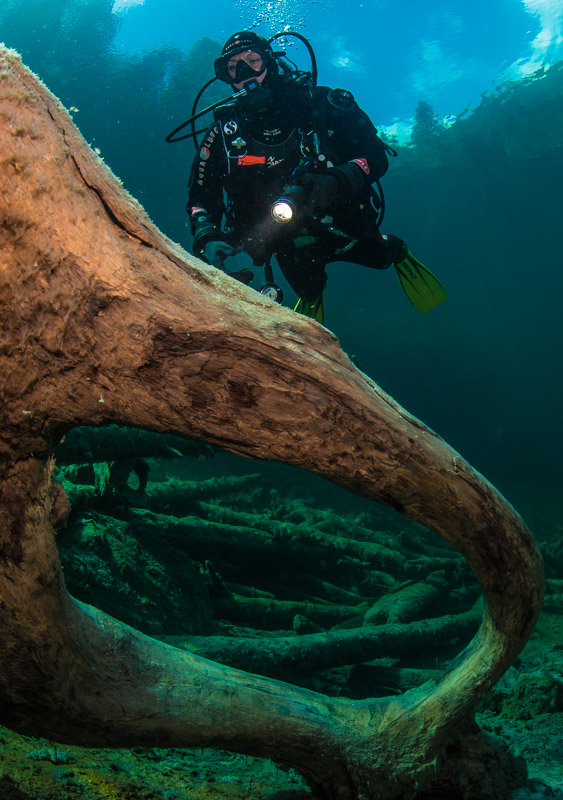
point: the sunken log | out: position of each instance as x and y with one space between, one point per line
105 321
303 655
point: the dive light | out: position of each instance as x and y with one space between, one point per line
285 208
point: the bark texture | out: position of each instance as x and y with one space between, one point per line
103 320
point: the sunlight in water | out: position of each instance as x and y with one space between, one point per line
547 47
124 5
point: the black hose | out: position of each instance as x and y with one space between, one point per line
382 201
314 69
268 273
171 138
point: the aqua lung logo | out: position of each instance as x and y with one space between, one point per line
211 137
230 127
205 152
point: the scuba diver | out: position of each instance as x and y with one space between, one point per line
287 170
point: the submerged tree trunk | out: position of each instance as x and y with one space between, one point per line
103 320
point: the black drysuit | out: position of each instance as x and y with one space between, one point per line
246 161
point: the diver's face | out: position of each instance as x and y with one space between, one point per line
254 61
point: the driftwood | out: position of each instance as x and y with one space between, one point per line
106 321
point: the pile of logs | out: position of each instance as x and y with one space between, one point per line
229 568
